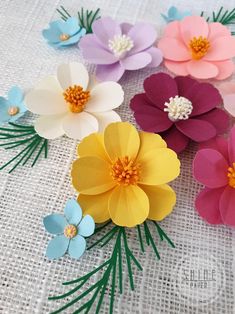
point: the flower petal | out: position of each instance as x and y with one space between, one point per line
105 96
207 205
185 85
73 212
231 145
218 54
50 127
70 26
156 55
158 166
77 246
191 129
45 102
87 226
179 68
172 30
50 83
128 206
79 125
96 206
175 139
90 175
57 247
210 168
52 34
15 95
73 39
105 29
226 206
73 73
227 88
193 26
125 27
217 30
121 139
4 104
162 200
110 72
218 143
136 61
159 88
218 118
226 69
202 69
105 118
54 223
150 141
174 49
229 103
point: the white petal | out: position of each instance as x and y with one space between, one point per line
105 96
50 127
105 118
50 83
45 102
73 73
79 125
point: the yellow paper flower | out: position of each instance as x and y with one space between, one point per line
122 174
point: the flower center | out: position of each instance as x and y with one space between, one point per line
199 47
12 111
70 231
125 171
76 98
231 176
120 44
64 37
178 108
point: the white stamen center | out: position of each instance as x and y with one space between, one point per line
120 44
178 108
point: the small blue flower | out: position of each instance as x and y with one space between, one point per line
64 33
175 15
70 230
12 107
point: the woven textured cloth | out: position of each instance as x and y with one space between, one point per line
27 278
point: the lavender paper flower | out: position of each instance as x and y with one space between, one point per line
116 48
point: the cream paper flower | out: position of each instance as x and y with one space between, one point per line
69 104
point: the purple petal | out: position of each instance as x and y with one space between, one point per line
137 61
218 118
156 55
105 29
125 27
175 139
110 72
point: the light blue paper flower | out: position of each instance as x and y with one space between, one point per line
64 33
70 230
12 107
175 15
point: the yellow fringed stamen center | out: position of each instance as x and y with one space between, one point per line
76 98
70 231
64 37
125 171
12 111
231 176
199 46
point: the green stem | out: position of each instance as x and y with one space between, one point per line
163 235
140 238
149 239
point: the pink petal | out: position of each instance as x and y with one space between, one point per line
179 68
110 72
184 84
159 88
227 88
207 205
229 104
231 145
202 69
193 26
210 168
174 49
226 69
137 61
106 28
175 140
172 30
197 130
218 143
222 48
217 30
218 118
226 206
156 55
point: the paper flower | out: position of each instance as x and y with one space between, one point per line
179 109
122 174
197 48
70 231
228 93
64 33
118 47
13 107
174 14
71 105
214 167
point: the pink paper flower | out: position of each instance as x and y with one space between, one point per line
214 167
228 93
179 109
197 48
116 48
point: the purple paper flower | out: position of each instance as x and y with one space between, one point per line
118 47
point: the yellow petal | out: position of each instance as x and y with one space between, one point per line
158 166
96 206
162 199
91 175
93 145
150 141
128 205
121 139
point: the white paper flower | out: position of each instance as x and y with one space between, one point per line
69 104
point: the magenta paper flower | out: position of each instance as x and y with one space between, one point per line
214 167
116 48
227 90
180 109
